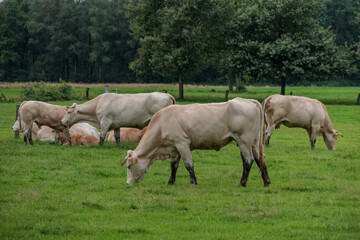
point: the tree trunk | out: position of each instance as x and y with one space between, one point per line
230 83
283 82
237 83
181 87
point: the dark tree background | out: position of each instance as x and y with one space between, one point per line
94 41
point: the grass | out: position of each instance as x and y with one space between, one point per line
51 192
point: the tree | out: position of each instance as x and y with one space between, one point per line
177 37
282 39
13 42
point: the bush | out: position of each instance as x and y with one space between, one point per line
45 92
242 88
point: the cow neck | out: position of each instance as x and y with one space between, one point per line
146 151
88 110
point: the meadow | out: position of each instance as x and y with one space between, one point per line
62 192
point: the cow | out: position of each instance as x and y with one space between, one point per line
46 133
42 114
110 111
79 139
175 131
127 135
301 112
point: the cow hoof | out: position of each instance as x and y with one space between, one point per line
171 182
266 184
193 185
241 185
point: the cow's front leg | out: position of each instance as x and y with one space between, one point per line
57 138
117 135
269 130
312 136
105 125
174 167
67 134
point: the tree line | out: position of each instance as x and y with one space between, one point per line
203 41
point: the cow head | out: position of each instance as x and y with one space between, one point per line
330 138
136 169
16 126
70 117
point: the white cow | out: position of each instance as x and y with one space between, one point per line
46 133
42 113
111 111
301 112
175 131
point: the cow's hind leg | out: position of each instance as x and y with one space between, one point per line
27 134
117 135
174 166
185 153
247 159
264 172
57 137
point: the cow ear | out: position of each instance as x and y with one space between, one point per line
74 105
338 133
128 156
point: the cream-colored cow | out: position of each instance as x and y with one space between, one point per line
301 112
175 131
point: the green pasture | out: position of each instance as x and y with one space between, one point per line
62 192
327 95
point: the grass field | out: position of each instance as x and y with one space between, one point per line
58 192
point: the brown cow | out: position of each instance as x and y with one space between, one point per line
42 114
79 139
301 112
127 135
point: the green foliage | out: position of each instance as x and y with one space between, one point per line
45 92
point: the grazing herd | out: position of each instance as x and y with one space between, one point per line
165 130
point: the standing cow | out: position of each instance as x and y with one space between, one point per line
42 114
301 112
175 131
111 111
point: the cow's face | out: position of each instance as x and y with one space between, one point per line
16 126
70 117
330 138
136 169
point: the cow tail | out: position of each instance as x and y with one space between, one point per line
264 120
261 131
172 99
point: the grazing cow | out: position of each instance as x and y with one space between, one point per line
111 111
301 112
46 134
79 139
42 114
127 135
175 131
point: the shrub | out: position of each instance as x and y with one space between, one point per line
45 92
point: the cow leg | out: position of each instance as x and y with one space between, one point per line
312 136
57 137
104 125
264 173
117 135
27 135
67 134
174 166
185 153
30 137
246 157
269 130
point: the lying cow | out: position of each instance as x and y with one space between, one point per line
301 112
175 131
111 111
45 133
127 135
42 114
79 139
